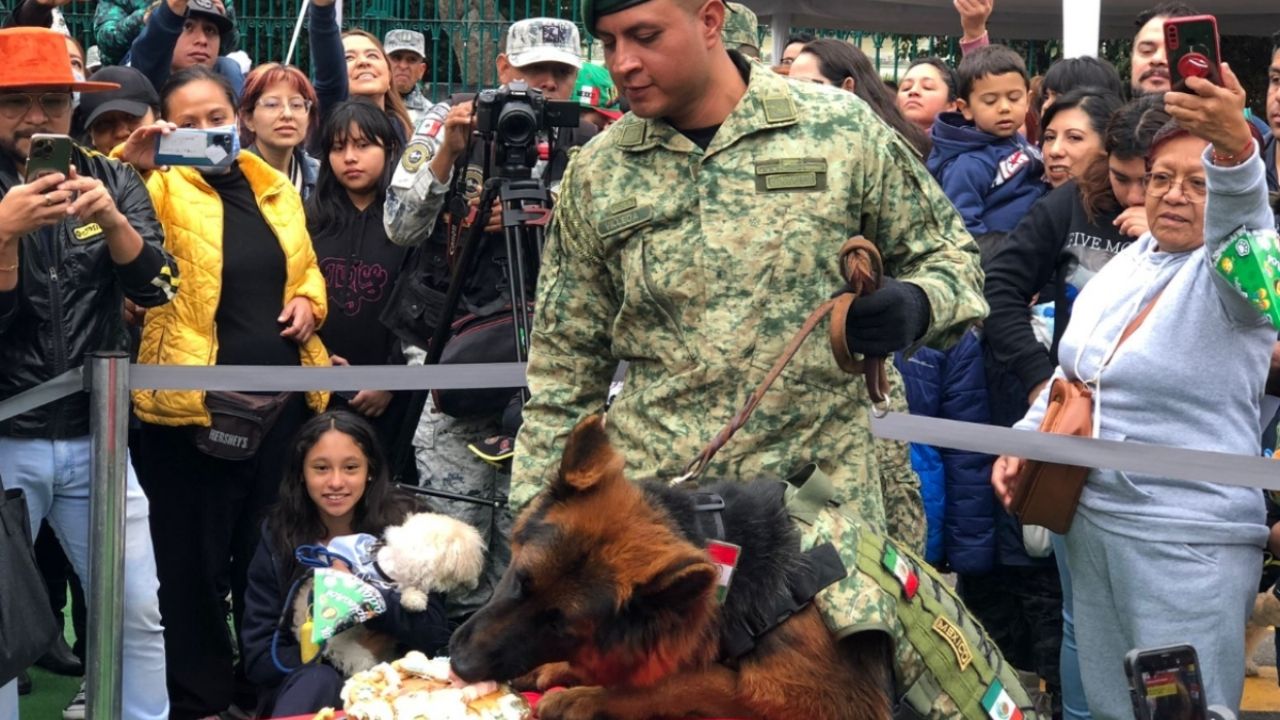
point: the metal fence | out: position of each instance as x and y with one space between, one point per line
462 35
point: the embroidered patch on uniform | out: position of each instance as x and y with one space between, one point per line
625 221
790 174
473 181
621 207
414 156
725 556
953 637
999 705
84 232
632 134
902 569
779 109
791 165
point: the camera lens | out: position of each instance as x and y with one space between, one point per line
517 124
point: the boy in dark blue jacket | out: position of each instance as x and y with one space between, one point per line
986 168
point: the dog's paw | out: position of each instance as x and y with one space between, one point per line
413 599
545 677
582 703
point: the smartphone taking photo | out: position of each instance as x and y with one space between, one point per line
1165 684
49 154
1192 48
197 148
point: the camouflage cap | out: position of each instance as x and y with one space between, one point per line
544 40
401 39
740 26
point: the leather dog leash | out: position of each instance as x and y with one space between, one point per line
863 269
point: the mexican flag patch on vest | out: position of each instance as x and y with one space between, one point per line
999 705
902 569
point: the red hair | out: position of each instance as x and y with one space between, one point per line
263 77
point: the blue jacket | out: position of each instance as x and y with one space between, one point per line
152 51
992 181
952 385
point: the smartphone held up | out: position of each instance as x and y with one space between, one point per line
1192 48
49 154
212 148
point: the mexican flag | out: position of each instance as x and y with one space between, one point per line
999 705
902 569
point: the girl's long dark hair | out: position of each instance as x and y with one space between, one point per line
294 520
330 206
838 60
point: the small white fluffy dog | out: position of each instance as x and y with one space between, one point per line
430 553
427 553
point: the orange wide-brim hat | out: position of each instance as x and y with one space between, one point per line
37 58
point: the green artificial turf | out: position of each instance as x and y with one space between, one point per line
49 693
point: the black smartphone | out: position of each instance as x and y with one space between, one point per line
1165 684
1192 48
49 154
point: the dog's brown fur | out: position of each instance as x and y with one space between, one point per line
606 591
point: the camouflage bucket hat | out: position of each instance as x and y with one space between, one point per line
544 40
595 91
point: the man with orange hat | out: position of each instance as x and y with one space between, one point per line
73 247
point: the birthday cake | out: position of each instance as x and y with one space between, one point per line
417 688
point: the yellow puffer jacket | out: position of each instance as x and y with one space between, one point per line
182 332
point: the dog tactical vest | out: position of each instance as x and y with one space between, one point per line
945 664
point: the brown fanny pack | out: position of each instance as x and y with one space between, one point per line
1048 493
239 422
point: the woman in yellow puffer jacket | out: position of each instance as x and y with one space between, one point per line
252 294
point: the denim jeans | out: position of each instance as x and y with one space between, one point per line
1074 704
54 475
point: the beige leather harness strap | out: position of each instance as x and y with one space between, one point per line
862 267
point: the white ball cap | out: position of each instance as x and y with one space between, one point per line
544 40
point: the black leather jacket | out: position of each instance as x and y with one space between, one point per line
69 300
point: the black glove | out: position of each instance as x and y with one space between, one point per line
888 320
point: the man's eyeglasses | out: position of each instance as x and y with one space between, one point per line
274 106
16 105
1158 184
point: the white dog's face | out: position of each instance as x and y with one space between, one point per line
432 552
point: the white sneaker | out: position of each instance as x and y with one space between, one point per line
75 710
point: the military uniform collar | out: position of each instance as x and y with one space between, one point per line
767 104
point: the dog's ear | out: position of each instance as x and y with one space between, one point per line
588 457
680 585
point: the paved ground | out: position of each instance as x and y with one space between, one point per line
1262 694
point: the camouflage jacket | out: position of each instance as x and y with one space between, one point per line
698 267
117 23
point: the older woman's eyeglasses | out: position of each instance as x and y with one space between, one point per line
297 106
1158 184
15 105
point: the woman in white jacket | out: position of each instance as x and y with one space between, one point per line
1157 561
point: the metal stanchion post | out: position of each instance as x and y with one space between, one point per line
109 418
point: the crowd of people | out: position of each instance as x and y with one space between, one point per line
1030 227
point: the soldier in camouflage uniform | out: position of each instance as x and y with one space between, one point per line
544 52
696 255
407 50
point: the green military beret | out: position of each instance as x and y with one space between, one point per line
739 27
593 10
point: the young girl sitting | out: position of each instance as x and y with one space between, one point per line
336 483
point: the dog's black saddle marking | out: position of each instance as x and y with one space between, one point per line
802 577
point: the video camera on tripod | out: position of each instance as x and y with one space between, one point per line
513 116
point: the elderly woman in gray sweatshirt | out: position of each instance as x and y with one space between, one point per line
1157 561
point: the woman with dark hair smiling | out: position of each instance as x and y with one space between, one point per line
359 263
1072 129
827 61
336 482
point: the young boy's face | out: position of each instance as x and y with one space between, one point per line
997 104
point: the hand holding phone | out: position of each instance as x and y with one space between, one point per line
49 154
1214 113
1165 684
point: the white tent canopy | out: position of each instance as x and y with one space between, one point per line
1015 19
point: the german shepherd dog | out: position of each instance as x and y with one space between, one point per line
611 590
